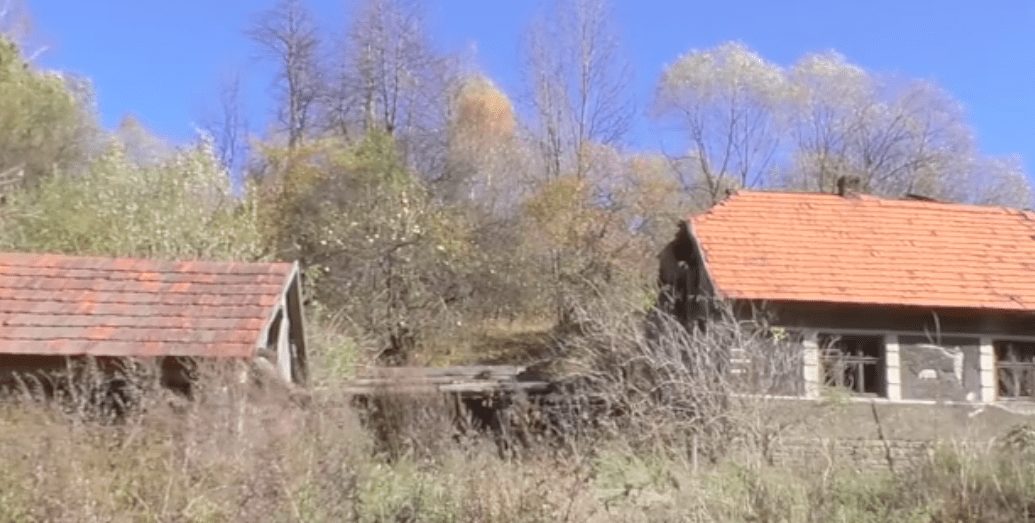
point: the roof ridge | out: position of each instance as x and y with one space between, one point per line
98 258
874 198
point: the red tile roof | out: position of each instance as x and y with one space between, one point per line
64 305
780 246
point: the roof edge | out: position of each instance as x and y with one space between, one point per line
905 198
260 341
699 250
918 306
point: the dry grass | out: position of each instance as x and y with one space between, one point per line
241 452
231 456
493 342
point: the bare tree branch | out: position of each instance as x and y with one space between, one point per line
578 84
287 35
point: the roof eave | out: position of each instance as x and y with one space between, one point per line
699 250
260 341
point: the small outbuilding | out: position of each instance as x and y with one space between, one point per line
55 309
902 299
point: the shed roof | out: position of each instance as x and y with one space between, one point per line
807 247
65 305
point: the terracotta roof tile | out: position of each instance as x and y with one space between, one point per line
781 246
65 305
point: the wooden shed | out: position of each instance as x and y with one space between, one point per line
905 299
54 308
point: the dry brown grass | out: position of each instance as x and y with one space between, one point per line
235 457
492 342
241 452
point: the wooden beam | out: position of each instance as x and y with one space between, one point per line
460 388
296 313
284 346
475 379
460 371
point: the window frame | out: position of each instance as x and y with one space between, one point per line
1012 368
856 361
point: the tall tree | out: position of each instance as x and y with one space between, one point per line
896 136
578 80
484 156
577 83
725 102
390 78
227 125
287 35
44 117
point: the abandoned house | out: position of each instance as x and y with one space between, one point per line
58 309
903 299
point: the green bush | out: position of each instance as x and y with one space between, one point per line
176 208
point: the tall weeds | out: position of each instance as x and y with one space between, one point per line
683 439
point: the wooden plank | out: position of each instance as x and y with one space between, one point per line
284 359
473 379
427 380
511 387
466 371
456 388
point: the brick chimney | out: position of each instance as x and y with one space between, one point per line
849 185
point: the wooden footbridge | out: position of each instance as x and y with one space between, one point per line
475 380
508 401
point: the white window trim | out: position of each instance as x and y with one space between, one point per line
812 373
892 368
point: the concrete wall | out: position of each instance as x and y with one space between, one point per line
863 433
854 419
864 454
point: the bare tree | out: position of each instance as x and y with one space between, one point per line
994 181
390 79
578 83
388 72
227 124
287 35
726 103
898 137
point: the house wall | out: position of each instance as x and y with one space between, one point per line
684 289
941 355
931 354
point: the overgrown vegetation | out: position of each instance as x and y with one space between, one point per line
250 451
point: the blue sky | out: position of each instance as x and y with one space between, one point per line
162 60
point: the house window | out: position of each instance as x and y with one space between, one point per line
1015 369
853 362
